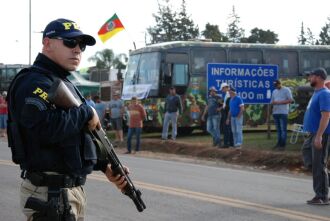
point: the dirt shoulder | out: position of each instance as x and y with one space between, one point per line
262 159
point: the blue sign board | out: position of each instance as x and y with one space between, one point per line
253 82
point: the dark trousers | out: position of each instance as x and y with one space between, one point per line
316 160
228 139
281 122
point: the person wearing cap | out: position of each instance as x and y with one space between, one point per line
3 114
137 114
235 117
173 108
212 110
58 152
228 140
316 145
117 110
280 100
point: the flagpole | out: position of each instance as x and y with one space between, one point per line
129 35
130 38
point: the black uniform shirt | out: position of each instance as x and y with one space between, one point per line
54 138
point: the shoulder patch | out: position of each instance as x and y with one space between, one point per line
36 102
38 91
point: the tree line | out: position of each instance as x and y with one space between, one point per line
307 37
172 25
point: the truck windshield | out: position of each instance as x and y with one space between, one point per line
143 69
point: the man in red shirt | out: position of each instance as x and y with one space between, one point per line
3 114
136 116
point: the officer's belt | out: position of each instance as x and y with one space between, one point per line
50 180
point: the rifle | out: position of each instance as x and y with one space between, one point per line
60 95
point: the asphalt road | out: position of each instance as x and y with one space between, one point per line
183 191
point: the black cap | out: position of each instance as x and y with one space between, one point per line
276 82
66 29
321 72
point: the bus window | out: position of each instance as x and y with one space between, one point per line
311 60
287 62
180 74
241 56
176 69
201 57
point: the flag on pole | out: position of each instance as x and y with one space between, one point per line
110 28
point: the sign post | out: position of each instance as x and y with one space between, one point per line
253 82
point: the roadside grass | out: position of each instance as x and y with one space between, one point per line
253 138
256 149
260 140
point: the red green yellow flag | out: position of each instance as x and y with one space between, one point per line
110 28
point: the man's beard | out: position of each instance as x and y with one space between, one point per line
313 84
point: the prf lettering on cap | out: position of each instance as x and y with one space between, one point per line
68 25
41 93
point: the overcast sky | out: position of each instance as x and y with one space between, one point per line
284 17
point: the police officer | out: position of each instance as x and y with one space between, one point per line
58 153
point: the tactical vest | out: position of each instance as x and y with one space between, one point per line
74 155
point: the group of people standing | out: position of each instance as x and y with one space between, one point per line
114 113
315 149
316 146
112 116
220 115
225 115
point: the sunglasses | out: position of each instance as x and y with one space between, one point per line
72 43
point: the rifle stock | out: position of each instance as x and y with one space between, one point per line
60 95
